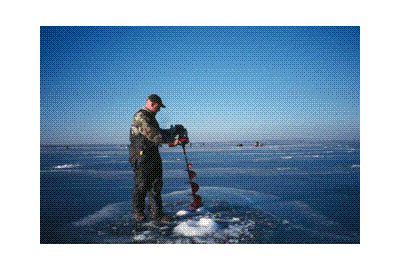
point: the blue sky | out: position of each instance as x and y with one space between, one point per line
221 83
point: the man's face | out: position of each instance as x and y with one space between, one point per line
154 107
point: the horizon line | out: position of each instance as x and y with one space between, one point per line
208 142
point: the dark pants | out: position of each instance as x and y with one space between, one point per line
148 179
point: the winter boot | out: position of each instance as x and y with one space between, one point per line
140 217
162 219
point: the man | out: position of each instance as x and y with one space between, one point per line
145 137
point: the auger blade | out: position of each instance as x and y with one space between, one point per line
197 202
195 187
192 175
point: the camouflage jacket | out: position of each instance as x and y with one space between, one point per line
146 134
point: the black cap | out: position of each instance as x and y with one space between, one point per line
156 99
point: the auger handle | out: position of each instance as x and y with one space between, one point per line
183 141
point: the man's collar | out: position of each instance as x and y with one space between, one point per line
144 108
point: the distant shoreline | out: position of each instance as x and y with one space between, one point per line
265 142
77 145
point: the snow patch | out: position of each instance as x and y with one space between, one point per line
192 228
66 166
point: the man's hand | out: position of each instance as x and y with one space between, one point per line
175 143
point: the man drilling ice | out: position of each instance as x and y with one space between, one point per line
146 136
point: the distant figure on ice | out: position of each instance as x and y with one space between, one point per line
145 136
257 144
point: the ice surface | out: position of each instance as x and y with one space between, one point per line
242 216
108 212
229 216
